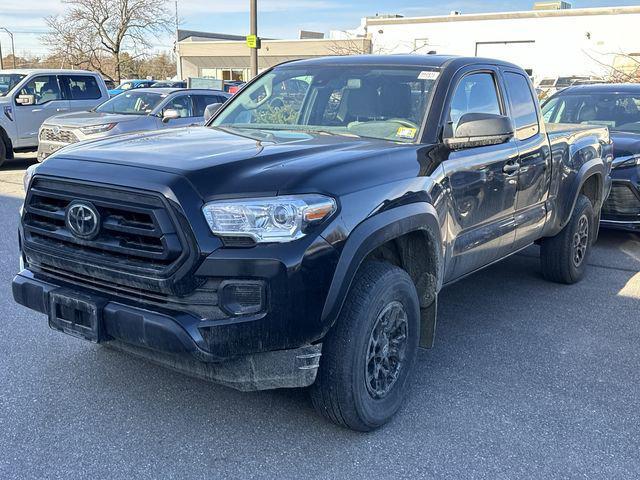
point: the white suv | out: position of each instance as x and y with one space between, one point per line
29 97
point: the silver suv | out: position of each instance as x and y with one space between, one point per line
132 111
29 97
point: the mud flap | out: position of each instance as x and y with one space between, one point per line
428 324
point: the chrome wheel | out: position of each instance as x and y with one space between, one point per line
581 241
387 350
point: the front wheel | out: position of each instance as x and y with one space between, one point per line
564 257
368 355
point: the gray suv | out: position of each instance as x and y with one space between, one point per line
132 111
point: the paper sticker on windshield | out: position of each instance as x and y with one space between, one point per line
406 132
428 75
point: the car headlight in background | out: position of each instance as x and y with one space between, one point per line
93 129
28 175
269 219
626 161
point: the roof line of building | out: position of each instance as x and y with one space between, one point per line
575 12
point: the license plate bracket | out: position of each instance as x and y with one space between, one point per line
77 315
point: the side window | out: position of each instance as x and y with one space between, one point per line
523 107
82 87
44 88
181 104
200 102
476 93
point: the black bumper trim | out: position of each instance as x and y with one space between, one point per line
130 324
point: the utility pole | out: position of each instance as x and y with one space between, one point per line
13 48
178 58
1 62
253 33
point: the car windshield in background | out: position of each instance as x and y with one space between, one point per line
618 111
132 103
379 102
8 81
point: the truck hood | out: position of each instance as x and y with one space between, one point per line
83 119
220 162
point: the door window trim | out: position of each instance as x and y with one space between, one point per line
497 81
536 107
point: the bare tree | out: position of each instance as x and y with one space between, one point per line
96 33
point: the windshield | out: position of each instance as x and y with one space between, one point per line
8 81
132 103
368 101
618 111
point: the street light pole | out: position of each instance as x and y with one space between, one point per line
1 62
13 48
253 30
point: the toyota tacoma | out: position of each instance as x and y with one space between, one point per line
301 237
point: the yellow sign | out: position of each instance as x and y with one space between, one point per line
252 41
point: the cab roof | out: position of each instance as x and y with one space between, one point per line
438 61
51 71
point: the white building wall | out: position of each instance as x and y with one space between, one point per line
555 45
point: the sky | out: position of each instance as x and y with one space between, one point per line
277 18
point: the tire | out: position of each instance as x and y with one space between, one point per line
346 391
564 257
3 151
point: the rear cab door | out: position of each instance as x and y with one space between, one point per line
534 157
482 181
49 100
83 91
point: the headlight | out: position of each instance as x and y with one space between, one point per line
626 161
269 219
28 175
93 129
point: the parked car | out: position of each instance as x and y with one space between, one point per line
29 97
549 86
130 84
616 106
133 111
170 84
303 242
110 84
232 86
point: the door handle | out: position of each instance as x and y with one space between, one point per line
511 168
61 109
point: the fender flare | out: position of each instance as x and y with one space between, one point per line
588 170
372 233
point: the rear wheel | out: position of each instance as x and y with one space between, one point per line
564 257
368 355
3 150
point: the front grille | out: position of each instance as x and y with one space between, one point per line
622 201
138 243
61 135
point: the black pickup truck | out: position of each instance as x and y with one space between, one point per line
301 237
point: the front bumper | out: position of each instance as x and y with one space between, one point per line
162 338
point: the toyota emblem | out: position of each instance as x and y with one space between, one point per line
56 130
83 220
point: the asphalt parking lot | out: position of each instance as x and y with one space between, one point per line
527 380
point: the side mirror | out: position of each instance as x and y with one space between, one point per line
170 114
211 110
26 99
480 129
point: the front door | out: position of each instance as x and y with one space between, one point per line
182 104
48 101
482 181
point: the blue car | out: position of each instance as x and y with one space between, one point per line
130 84
132 111
616 106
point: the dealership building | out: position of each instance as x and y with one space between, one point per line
549 41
